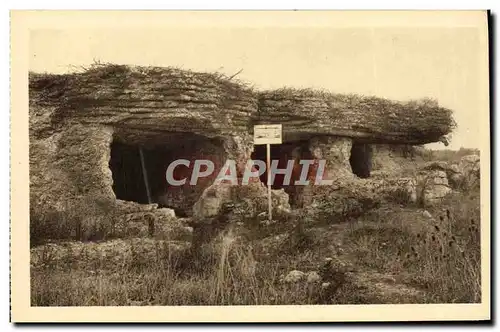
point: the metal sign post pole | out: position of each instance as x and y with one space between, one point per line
269 181
268 134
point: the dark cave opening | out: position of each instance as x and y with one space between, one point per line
129 179
361 159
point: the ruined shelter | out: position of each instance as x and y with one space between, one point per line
91 133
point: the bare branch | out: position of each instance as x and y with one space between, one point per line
230 78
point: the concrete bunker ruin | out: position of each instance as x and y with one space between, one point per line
86 130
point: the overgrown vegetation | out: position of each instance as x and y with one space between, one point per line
439 258
440 254
83 218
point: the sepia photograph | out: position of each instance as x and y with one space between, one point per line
308 164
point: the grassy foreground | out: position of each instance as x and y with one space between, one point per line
393 254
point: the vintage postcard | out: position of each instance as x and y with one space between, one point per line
260 166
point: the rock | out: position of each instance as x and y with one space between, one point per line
432 186
158 223
453 168
388 279
250 201
280 203
461 175
470 168
333 269
325 285
248 208
313 277
469 161
211 201
336 204
437 165
256 197
294 276
131 207
398 190
427 214
335 151
455 177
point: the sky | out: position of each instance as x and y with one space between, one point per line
394 62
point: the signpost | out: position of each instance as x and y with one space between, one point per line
268 134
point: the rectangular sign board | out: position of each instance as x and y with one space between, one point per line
267 134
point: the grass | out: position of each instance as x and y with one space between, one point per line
396 254
440 256
225 274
